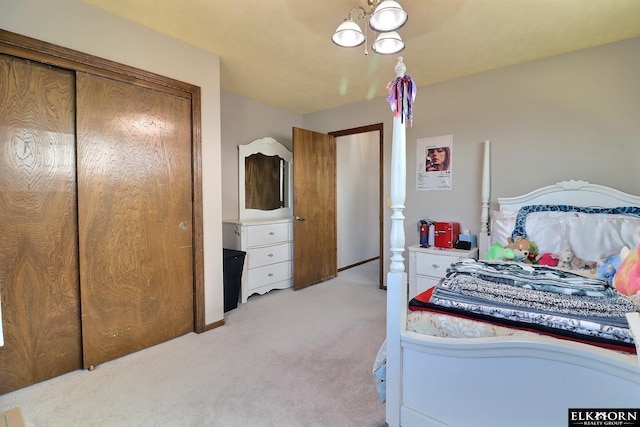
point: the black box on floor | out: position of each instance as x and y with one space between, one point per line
233 264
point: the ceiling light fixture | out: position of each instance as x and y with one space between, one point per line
385 17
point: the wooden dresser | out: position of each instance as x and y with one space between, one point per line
269 254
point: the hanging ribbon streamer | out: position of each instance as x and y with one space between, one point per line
402 93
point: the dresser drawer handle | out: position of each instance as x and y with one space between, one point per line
270 255
270 274
435 266
271 233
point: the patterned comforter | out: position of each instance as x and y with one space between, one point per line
530 298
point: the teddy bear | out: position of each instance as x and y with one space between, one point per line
565 257
533 253
521 248
580 264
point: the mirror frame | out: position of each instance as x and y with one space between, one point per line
269 147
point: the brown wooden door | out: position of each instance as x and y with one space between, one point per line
134 216
314 207
38 228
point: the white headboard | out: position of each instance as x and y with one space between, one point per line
573 192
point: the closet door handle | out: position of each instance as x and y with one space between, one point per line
299 218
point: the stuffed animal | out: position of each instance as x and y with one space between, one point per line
627 277
575 263
606 268
533 253
499 252
548 259
565 257
580 264
521 248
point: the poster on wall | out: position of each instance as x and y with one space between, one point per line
434 156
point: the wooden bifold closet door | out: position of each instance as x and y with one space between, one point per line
96 208
38 224
134 215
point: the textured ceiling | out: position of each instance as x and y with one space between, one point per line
280 52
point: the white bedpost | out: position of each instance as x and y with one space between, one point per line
398 187
397 277
483 243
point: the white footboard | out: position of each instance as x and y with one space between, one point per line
504 381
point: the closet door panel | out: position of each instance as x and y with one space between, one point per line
134 214
38 229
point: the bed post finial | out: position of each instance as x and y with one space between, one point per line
400 69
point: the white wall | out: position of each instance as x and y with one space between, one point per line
358 188
76 25
569 116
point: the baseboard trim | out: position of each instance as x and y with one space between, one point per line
213 325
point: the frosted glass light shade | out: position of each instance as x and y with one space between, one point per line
388 43
348 34
388 16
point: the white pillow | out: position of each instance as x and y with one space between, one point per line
543 228
502 225
593 237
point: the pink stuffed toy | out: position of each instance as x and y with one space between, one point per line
627 277
549 259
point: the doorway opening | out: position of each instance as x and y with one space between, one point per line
360 155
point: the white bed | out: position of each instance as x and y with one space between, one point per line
530 380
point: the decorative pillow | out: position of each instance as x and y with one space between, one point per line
543 228
594 237
502 223
525 211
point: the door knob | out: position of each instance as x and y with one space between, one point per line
299 218
182 226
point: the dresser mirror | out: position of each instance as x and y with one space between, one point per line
264 172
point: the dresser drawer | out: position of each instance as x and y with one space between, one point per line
433 265
261 276
266 234
257 257
428 265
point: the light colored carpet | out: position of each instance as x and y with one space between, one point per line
287 358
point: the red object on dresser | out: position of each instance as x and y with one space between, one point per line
446 234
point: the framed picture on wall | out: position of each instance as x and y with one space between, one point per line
434 163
